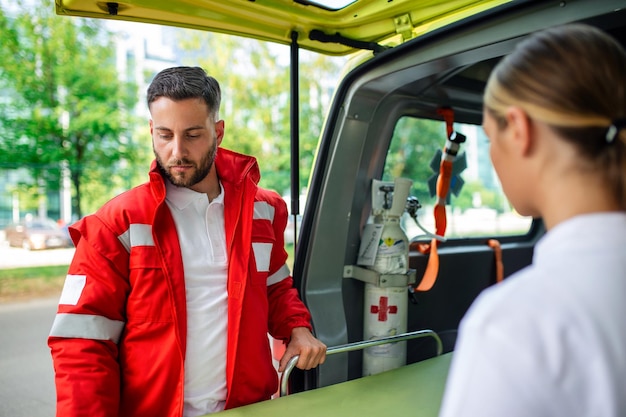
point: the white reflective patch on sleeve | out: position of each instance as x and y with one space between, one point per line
279 275
124 238
141 235
86 326
137 235
263 211
262 253
72 289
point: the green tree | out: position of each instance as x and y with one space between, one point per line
315 98
413 146
63 101
255 82
473 189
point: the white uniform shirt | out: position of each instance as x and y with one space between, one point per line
200 227
550 340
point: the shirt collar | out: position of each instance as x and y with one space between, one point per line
182 197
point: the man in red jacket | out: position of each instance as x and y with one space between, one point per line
176 283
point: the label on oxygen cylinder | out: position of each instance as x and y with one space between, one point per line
392 254
391 257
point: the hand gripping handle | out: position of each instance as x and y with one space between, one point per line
348 347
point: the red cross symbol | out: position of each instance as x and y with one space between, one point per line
383 308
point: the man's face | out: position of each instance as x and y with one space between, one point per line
185 140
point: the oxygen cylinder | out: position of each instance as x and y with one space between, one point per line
385 315
385 308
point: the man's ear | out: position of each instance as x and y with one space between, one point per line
520 129
151 127
219 131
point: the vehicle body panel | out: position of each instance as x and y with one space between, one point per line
275 20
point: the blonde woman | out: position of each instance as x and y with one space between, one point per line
551 339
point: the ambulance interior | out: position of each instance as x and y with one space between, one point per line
386 118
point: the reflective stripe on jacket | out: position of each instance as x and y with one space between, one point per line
118 341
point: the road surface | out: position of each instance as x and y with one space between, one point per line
26 372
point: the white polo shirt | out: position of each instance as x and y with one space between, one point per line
200 227
550 340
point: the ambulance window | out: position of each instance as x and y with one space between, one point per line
477 206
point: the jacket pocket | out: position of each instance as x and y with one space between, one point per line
148 299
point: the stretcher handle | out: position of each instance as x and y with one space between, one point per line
349 347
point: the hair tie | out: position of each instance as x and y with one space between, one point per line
613 130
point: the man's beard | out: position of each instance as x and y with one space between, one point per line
200 171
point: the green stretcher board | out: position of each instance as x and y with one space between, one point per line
413 390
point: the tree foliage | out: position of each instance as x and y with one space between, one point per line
413 145
255 82
63 99
63 103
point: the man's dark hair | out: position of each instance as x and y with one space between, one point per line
180 83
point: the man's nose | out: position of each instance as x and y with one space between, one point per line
178 148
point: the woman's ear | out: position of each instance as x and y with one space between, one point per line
520 130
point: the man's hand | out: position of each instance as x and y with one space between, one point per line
312 352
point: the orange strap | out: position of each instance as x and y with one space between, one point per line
448 117
443 185
497 254
445 176
432 268
441 222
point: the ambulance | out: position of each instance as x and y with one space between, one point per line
405 223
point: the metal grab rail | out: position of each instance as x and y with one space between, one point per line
348 347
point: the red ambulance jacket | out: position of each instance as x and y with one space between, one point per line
118 341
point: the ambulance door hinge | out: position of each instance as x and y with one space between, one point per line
404 26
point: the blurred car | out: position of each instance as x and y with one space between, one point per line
37 234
